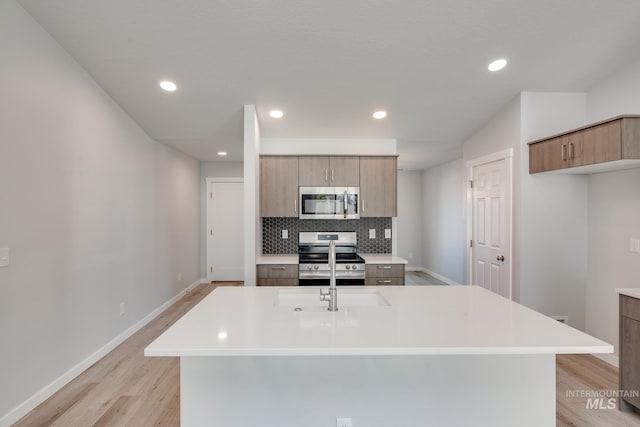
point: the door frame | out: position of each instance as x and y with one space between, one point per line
209 181
507 156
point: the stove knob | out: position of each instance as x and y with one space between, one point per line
348 267
355 267
315 267
309 267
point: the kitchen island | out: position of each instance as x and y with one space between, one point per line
403 356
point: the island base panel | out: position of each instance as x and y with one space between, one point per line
375 391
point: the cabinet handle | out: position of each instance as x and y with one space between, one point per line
332 177
384 267
564 152
572 151
361 205
295 205
384 281
277 268
326 175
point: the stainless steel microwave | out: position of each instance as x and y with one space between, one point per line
329 203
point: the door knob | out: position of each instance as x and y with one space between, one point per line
500 258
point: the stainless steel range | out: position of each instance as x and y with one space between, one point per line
313 259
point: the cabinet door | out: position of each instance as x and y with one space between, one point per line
575 141
603 143
549 155
279 186
313 171
378 186
344 171
630 357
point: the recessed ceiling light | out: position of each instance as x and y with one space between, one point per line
497 65
169 86
222 153
379 114
276 114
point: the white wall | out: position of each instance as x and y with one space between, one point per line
443 235
410 214
252 223
328 146
212 170
553 218
94 211
613 211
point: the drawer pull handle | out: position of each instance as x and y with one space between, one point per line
384 267
384 281
277 268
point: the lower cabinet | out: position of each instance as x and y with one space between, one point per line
629 352
277 274
384 274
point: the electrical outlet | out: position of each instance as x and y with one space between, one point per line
285 234
634 245
372 233
179 277
122 309
344 422
387 233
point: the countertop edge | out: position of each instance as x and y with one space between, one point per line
438 351
630 292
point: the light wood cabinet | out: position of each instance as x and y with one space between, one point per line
378 186
324 171
278 186
277 274
384 274
629 351
608 145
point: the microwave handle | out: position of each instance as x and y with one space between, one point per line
344 202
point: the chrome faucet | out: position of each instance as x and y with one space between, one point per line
332 294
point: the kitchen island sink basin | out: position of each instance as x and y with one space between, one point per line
307 298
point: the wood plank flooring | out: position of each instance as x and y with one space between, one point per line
127 389
420 278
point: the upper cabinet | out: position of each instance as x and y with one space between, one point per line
278 186
378 186
609 145
321 171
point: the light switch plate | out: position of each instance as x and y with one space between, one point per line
372 233
634 245
4 257
387 233
344 422
285 234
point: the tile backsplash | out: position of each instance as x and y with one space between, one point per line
273 243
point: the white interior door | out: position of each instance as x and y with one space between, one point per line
491 227
225 255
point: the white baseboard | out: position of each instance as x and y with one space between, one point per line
31 403
413 268
440 277
205 280
611 359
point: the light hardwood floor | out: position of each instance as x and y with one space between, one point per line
420 278
127 389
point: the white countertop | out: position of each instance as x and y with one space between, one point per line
382 259
277 259
427 320
630 292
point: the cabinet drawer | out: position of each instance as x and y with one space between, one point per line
630 307
277 282
277 271
377 281
384 270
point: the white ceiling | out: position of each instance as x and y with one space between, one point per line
329 64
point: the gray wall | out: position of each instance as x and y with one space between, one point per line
94 211
410 212
613 212
212 170
443 226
